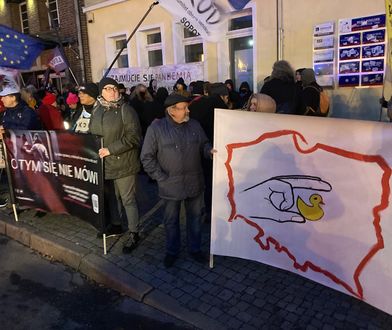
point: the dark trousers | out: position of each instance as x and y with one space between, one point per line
120 196
171 219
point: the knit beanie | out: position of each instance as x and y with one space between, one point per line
72 98
49 99
107 81
90 89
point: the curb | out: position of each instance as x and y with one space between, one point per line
101 271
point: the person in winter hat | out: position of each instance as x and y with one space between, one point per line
88 94
118 124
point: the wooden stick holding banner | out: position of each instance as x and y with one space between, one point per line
9 179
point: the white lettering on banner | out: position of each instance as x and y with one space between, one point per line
56 169
56 61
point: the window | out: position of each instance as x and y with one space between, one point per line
122 61
154 47
24 19
194 53
53 13
114 43
241 22
240 34
154 38
193 47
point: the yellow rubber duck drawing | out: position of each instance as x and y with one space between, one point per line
313 212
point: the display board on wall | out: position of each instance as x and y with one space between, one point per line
324 53
361 51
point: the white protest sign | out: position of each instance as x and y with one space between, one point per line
309 195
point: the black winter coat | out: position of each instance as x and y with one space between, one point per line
285 94
171 154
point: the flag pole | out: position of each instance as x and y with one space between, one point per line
130 37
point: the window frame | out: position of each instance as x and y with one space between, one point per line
112 50
241 33
48 2
24 29
143 48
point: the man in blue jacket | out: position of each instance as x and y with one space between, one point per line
171 155
17 115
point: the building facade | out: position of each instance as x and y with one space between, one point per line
255 37
61 21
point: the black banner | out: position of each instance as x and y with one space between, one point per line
58 172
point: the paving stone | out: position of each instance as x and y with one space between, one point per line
250 290
234 323
225 294
242 306
204 307
211 277
286 325
188 288
224 318
259 302
185 298
244 317
156 282
291 317
248 327
197 293
176 293
233 311
214 312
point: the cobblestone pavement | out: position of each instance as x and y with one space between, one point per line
239 294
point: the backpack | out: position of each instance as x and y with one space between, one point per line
323 107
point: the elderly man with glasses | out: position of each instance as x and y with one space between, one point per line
118 124
171 155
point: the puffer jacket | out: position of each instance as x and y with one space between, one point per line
171 154
120 128
21 117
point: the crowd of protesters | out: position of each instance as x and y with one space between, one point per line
170 137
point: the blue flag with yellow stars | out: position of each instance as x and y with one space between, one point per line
18 50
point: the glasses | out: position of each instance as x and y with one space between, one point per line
111 89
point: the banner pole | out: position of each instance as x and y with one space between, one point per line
102 202
130 37
15 212
211 261
9 178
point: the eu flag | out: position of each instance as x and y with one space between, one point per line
18 50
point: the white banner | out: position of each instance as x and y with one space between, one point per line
204 17
309 195
166 75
